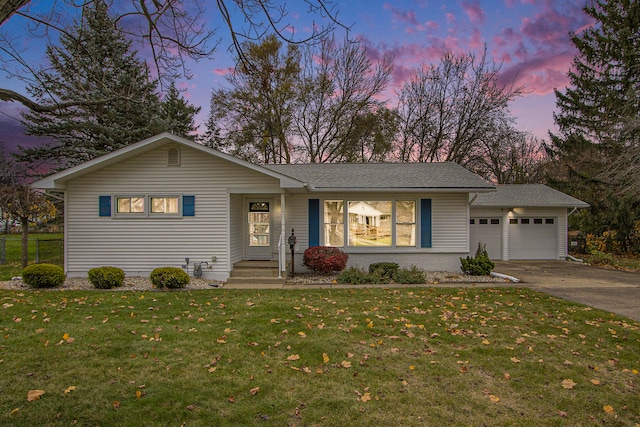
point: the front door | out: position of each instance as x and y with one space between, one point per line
258 239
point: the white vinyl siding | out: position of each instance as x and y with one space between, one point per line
138 246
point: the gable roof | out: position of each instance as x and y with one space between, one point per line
527 196
449 177
58 180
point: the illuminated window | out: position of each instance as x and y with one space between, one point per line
405 223
130 205
334 223
164 205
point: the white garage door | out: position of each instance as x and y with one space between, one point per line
533 238
488 231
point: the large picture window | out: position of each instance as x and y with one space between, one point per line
369 223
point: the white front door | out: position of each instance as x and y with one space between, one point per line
258 239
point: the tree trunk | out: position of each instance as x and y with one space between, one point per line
24 222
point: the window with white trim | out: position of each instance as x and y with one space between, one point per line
370 223
334 223
165 205
130 204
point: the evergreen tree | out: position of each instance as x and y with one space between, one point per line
177 114
105 96
597 118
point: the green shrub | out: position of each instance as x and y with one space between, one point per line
325 259
169 277
384 269
43 275
353 276
409 276
481 266
106 277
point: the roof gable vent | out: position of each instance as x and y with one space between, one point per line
173 157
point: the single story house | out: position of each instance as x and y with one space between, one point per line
162 200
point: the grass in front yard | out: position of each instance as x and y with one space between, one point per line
411 357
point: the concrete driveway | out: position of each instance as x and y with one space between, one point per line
611 290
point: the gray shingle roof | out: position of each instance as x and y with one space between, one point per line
527 195
379 176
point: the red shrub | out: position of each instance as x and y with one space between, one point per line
325 259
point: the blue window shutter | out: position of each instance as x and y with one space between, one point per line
188 205
314 222
425 223
104 206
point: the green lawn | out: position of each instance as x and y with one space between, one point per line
50 252
410 357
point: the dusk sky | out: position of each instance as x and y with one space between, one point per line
530 38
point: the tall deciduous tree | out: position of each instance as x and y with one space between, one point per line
254 115
101 95
597 150
338 90
447 110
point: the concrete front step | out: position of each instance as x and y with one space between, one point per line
251 272
254 280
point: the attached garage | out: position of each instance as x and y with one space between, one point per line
533 238
487 231
521 222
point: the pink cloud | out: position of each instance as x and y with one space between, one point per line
451 18
474 11
401 15
221 71
540 74
476 41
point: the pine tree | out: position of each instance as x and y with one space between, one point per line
177 114
105 96
605 79
598 122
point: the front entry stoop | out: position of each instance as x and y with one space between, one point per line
256 272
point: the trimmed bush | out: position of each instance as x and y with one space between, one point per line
384 269
353 276
169 277
325 259
409 276
106 277
479 265
43 275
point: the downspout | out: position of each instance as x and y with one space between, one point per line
571 257
281 242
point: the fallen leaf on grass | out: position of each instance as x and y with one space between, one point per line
293 357
494 398
345 364
595 382
366 397
325 357
69 389
34 395
254 390
608 409
568 384
515 360
116 404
